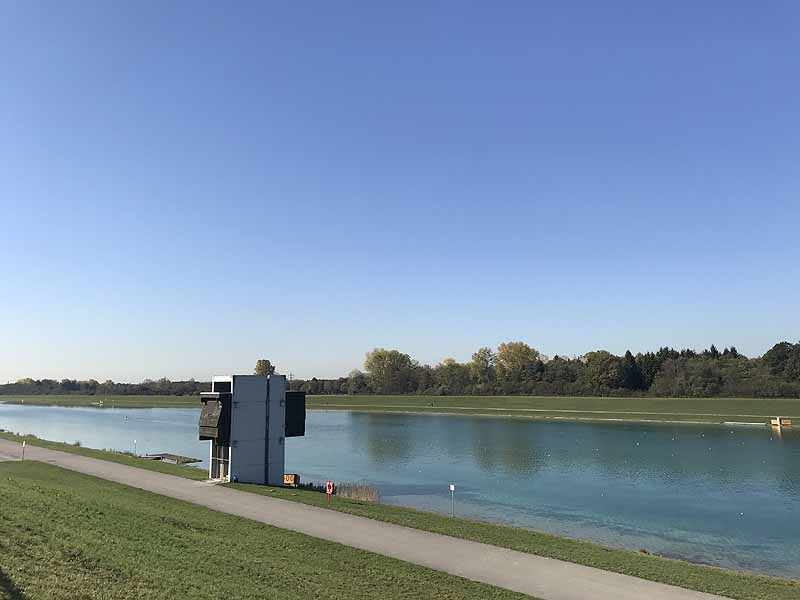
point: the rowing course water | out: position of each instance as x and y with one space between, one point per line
728 496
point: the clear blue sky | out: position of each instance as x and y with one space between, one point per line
188 186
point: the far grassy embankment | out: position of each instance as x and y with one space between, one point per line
107 401
724 582
64 535
701 410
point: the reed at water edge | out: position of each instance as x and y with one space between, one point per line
351 490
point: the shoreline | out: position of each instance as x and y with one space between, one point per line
741 412
534 417
495 415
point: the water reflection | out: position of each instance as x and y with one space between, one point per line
385 444
503 448
512 448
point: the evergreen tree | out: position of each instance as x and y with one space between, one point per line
632 378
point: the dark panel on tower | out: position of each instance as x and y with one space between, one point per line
215 417
295 414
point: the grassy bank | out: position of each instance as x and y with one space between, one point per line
64 535
113 456
705 410
698 577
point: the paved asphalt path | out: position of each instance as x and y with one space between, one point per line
534 575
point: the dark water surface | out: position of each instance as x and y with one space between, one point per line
728 496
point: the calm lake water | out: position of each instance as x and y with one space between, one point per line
728 496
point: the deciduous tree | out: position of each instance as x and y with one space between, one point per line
390 371
264 367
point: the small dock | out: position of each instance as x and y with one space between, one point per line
173 459
780 422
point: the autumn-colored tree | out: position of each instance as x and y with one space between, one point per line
516 363
604 370
264 367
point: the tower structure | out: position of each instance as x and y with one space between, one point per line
247 419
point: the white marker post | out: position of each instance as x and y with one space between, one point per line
452 500
134 448
23 450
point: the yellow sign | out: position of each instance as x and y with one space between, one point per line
291 479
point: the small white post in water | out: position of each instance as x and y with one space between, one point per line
134 448
452 500
23 449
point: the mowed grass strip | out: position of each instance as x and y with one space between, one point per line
723 582
65 536
709 410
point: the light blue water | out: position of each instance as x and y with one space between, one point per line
728 496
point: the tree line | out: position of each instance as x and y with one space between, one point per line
92 387
517 368
514 368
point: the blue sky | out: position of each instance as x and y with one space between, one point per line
186 187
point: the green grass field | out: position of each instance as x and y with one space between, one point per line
706 410
67 536
698 577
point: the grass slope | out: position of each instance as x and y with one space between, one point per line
67 536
